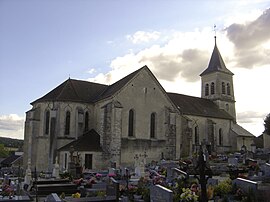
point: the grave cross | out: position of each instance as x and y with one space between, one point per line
204 172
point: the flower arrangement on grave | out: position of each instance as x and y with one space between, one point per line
223 188
78 182
42 174
101 194
63 195
76 195
111 174
65 175
188 196
7 190
143 189
88 183
210 192
132 189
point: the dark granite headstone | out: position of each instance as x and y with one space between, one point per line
159 193
246 185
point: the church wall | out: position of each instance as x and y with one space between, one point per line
246 141
144 96
202 124
49 143
97 162
179 140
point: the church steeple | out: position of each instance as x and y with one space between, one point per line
217 83
216 63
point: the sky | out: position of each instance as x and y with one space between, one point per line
43 43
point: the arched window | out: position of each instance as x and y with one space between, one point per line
206 89
228 89
131 123
86 121
220 137
196 136
153 126
223 88
212 88
47 122
67 126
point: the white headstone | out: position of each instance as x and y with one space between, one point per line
56 169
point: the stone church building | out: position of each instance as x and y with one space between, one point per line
100 124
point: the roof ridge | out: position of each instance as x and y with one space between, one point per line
67 83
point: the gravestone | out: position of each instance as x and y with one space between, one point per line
112 188
177 172
111 171
169 168
72 169
266 169
138 171
213 182
233 161
246 185
53 198
56 169
159 193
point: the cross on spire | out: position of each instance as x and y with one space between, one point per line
215 30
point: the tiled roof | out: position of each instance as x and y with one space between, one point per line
241 132
190 105
89 141
74 90
216 63
84 91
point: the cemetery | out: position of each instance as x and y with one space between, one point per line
202 177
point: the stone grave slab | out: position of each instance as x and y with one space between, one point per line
159 193
246 185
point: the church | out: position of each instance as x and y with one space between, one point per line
100 125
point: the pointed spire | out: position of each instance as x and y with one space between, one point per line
216 63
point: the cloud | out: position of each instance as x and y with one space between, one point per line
91 71
183 57
143 37
170 67
251 41
11 126
250 116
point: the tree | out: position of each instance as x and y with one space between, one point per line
267 124
3 152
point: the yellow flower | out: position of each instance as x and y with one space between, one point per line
76 195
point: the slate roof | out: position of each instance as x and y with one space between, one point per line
89 92
240 131
216 64
10 160
74 90
190 105
84 91
89 141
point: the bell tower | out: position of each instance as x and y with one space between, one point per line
217 83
